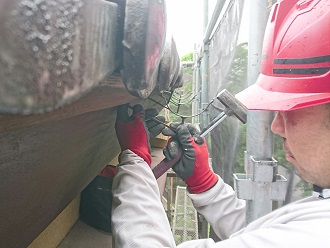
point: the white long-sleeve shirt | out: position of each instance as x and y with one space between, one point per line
139 219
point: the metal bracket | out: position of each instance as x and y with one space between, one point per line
263 177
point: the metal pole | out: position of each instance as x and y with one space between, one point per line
205 14
208 28
214 18
261 184
185 218
205 85
204 94
259 136
195 105
205 70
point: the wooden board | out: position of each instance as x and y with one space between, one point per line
42 168
46 160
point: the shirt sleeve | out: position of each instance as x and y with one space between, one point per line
139 219
221 208
138 216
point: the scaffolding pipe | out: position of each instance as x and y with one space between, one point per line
205 71
214 18
195 105
205 86
208 28
259 135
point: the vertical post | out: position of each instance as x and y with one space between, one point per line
259 136
198 103
205 15
194 109
205 85
204 94
169 195
185 218
205 69
171 200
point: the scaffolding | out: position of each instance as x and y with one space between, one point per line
185 223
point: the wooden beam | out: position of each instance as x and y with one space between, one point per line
53 52
46 160
43 167
109 93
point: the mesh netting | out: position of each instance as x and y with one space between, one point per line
228 70
185 223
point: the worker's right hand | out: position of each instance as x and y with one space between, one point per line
131 131
193 167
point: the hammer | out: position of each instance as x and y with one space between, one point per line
232 107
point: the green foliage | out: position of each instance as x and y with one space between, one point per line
239 162
235 82
305 188
184 91
188 70
185 107
237 76
188 57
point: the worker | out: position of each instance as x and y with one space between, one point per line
295 82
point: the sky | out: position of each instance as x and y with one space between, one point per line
185 23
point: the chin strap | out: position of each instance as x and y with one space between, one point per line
320 192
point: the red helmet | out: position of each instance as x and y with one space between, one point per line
295 68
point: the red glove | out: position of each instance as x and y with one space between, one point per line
131 131
109 171
193 167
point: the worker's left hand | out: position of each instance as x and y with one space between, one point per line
131 131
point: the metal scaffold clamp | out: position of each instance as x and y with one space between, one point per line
261 180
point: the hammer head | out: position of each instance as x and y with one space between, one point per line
233 106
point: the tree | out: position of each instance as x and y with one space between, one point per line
188 57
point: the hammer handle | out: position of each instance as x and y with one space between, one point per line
165 164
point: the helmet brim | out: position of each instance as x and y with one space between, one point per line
257 98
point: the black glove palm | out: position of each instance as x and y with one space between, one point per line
154 123
193 167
